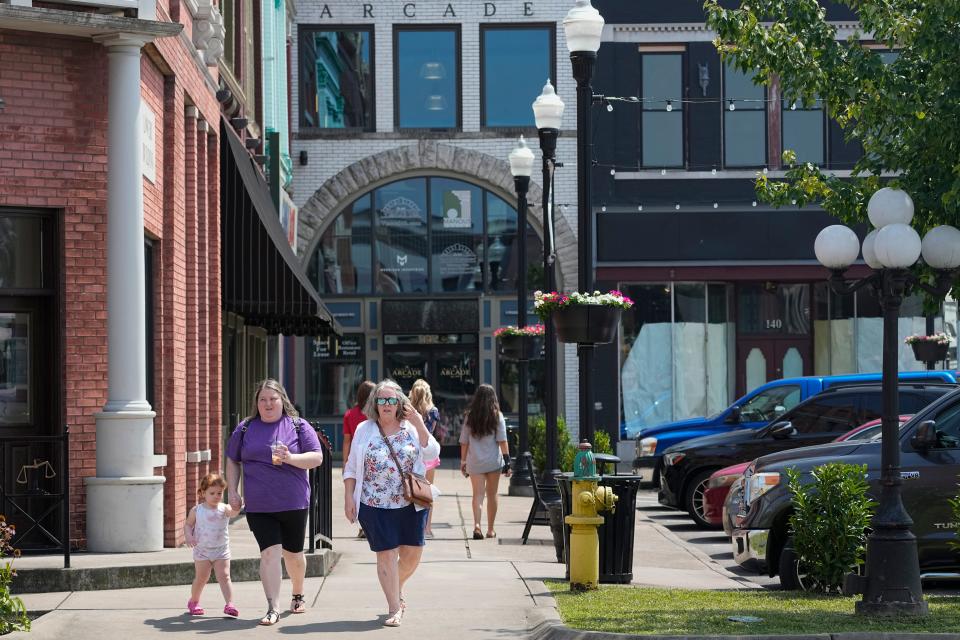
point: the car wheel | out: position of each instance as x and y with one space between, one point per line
693 501
792 575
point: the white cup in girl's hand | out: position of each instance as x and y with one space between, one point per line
276 452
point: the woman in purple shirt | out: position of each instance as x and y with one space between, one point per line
274 448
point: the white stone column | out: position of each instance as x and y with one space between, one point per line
125 499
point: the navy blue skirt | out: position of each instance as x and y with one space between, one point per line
389 528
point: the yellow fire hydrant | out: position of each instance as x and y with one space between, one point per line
587 499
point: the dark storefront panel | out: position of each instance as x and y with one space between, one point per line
639 12
708 235
430 316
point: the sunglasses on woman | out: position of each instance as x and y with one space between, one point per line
390 401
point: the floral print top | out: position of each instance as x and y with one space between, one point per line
382 486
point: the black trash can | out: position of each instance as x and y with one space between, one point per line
616 532
555 509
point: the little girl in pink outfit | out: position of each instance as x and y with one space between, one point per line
206 530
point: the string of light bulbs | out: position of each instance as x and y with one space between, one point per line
731 102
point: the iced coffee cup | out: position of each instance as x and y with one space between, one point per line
276 452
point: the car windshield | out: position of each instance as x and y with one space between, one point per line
770 404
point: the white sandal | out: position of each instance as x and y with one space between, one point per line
395 618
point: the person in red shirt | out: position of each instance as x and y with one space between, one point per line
352 419
354 416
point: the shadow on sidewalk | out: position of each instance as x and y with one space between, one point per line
200 624
335 626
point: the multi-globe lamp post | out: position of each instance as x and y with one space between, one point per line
548 114
521 167
891 581
583 27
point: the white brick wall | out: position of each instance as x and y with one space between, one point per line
329 156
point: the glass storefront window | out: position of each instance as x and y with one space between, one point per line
342 261
745 127
662 114
456 243
15 376
427 72
773 309
334 370
336 79
401 233
515 63
21 265
509 391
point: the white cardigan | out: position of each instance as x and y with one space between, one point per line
361 439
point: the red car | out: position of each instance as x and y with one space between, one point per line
715 495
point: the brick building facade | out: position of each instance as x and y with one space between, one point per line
67 363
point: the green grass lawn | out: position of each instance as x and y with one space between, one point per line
643 611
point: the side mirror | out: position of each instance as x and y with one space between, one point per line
734 417
782 430
925 437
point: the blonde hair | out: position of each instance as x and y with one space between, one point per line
210 480
370 409
421 397
273 385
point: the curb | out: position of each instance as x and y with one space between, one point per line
320 563
544 623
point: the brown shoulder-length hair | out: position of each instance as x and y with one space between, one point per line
421 397
363 392
483 414
273 385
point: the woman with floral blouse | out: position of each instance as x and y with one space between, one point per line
374 491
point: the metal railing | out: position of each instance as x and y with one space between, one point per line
35 490
320 521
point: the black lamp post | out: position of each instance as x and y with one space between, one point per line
521 166
548 113
891 582
583 27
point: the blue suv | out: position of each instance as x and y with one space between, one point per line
753 411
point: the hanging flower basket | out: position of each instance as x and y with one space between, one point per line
929 348
583 318
520 343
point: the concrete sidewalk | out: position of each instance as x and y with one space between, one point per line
472 589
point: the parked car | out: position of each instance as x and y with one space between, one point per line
753 411
719 483
929 464
688 465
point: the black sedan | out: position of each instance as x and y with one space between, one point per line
688 465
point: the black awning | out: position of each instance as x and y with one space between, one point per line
262 279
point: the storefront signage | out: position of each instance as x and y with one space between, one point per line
409 9
406 371
458 371
148 123
349 347
401 212
457 260
456 210
400 265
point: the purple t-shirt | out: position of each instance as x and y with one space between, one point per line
267 487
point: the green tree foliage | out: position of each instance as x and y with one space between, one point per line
903 113
829 522
566 448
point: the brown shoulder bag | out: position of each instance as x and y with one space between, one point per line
416 488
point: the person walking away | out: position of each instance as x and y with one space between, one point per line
274 449
484 454
421 397
207 531
393 441
352 419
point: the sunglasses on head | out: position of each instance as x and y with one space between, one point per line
390 401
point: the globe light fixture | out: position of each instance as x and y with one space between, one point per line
548 108
836 247
941 247
897 246
869 255
583 26
889 206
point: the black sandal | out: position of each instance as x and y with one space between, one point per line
477 534
297 605
272 618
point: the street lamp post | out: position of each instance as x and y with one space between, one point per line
583 27
521 167
891 582
548 114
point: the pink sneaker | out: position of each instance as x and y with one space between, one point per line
231 610
194 608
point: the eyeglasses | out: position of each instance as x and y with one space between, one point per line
390 401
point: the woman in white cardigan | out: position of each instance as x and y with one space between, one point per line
374 493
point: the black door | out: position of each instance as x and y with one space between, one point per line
449 363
